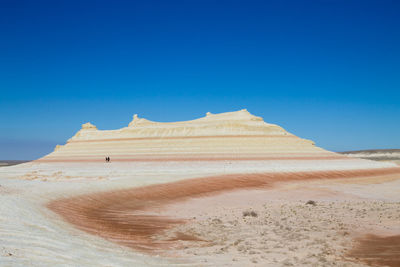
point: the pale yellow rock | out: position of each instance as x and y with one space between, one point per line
230 135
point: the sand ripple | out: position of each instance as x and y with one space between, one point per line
120 216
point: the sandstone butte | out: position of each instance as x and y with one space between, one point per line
226 136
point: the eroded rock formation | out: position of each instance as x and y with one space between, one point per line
230 135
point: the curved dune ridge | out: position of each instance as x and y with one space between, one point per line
120 216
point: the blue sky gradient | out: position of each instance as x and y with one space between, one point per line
324 70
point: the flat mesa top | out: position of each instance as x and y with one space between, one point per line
223 124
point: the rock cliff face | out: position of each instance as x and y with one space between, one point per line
226 136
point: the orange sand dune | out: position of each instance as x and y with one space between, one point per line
118 215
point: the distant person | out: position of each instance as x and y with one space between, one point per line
109 159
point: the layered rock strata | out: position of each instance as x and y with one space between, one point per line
226 136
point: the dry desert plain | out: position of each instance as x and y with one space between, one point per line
224 190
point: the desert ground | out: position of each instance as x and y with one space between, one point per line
53 218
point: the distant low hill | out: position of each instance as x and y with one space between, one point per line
376 154
4 163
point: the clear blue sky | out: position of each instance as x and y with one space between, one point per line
325 70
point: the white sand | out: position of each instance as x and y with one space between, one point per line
287 231
31 235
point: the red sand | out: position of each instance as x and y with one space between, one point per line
117 216
378 251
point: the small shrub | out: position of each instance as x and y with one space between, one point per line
251 213
311 202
